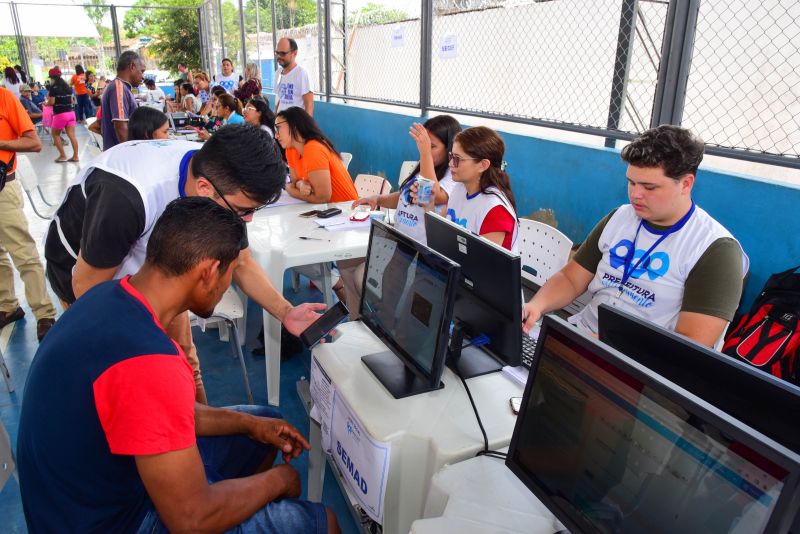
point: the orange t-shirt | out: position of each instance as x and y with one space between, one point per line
78 82
318 157
14 121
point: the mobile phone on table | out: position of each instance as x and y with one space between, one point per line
312 213
320 328
330 212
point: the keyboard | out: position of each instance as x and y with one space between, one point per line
528 349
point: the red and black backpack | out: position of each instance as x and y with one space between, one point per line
769 336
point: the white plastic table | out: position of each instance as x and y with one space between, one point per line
482 495
426 431
274 236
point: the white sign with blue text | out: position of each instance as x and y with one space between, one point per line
448 46
363 461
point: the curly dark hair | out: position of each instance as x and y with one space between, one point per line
676 150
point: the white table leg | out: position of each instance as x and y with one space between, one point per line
316 463
272 339
327 286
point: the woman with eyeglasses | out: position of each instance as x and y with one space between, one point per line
482 200
434 140
316 169
257 113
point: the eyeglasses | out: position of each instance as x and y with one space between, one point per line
281 53
456 160
249 108
240 212
279 123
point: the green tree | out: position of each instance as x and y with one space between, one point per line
8 52
373 13
175 32
289 14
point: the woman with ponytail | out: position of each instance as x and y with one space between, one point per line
482 201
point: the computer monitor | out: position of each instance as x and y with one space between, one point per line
489 298
758 399
610 446
407 301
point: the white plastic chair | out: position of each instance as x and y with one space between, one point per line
8 465
347 157
229 315
543 250
6 376
368 185
405 170
29 180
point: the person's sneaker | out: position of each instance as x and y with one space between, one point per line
10 317
43 326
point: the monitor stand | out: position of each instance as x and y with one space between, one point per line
398 379
469 362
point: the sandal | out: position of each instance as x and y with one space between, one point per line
59 160
74 160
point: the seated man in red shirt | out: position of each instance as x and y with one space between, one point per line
111 438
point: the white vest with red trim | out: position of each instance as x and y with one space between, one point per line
471 212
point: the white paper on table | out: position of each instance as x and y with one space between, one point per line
363 461
341 223
285 200
321 390
518 374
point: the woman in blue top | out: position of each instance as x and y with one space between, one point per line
229 110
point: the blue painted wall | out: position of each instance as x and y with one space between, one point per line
583 183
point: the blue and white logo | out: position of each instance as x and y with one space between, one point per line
656 265
451 214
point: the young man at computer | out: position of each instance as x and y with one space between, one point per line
660 257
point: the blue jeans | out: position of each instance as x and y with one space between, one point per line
84 109
238 456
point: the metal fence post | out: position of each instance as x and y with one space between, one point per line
327 50
426 53
321 43
274 28
622 63
23 56
242 36
115 30
221 27
201 34
676 58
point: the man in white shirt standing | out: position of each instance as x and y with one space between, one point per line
292 84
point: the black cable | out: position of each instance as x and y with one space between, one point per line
485 451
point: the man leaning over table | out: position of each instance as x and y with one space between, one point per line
101 229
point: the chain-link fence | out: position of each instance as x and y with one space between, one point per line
375 52
744 84
553 61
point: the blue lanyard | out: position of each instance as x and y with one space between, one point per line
183 172
629 267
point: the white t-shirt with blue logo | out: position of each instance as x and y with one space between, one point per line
290 87
469 211
230 83
409 217
655 289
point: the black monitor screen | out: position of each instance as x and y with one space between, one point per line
489 299
610 448
762 401
408 297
